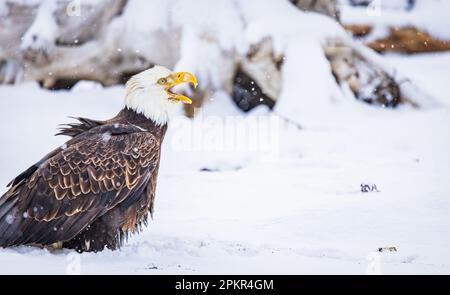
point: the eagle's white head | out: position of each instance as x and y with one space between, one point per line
150 92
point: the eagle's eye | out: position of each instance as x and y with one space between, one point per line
162 81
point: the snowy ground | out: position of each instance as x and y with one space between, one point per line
299 212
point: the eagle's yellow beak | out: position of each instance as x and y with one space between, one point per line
178 78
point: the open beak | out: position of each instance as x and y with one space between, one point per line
179 78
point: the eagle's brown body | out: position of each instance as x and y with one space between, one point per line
91 192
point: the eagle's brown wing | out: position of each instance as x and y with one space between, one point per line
62 194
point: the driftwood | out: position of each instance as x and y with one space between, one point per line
407 38
401 39
78 48
327 7
367 81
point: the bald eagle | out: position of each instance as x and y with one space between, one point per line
99 186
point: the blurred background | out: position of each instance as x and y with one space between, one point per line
319 132
228 44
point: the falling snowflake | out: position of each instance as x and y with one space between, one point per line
106 136
9 219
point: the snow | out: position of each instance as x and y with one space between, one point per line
433 74
82 86
224 207
314 78
41 35
430 16
278 20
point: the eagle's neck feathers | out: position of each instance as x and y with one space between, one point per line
130 116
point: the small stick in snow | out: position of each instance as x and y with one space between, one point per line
387 249
367 188
287 120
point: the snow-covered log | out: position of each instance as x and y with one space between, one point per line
53 40
400 26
